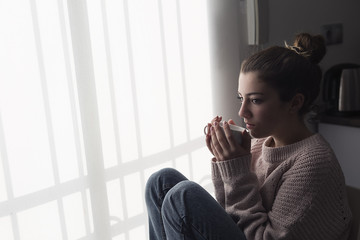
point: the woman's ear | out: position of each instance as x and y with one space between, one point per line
297 102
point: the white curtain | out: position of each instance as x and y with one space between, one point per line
95 96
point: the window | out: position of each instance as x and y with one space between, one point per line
94 97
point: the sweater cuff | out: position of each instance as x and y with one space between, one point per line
215 172
232 167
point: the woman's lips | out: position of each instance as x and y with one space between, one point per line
250 126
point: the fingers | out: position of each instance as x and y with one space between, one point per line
215 153
222 144
231 122
230 139
207 131
219 140
208 139
222 136
217 150
216 119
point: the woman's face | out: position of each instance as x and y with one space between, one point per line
263 111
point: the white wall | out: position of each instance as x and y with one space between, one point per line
226 43
345 142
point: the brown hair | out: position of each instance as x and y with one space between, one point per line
291 69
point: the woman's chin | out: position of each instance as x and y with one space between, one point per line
255 134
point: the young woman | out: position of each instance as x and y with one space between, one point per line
284 183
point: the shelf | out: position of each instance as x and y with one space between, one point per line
353 121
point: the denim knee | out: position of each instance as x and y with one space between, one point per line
161 181
159 177
179 195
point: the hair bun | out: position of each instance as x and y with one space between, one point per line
311 47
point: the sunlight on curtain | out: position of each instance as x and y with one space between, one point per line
148 61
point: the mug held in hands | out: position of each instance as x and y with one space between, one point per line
236 131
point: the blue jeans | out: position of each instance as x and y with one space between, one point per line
181 209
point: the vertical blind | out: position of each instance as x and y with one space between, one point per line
95 96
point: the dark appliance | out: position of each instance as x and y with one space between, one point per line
341 90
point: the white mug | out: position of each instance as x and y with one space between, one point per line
236 131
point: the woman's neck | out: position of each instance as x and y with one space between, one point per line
291 135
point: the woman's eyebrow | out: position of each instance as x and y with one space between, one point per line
252 93
255 93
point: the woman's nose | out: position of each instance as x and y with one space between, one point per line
244 111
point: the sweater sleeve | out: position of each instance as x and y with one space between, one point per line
303 207
242 198
218 183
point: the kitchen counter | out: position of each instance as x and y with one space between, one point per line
353 121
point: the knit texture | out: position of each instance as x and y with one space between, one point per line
291 192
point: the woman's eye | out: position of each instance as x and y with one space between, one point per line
240 98
256 101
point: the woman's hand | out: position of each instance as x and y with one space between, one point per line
223 146
208 133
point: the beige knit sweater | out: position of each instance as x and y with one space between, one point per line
291 192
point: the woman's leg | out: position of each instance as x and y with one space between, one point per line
157 187
190 212
180 209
